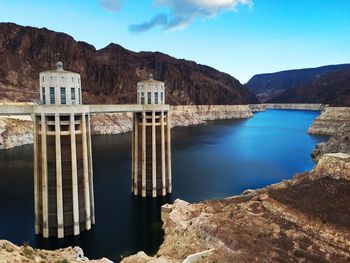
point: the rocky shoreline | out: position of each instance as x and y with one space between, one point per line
330 120
285 106
10 253
334 122
306 219
15 132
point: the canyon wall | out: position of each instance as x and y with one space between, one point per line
309 85
18 131
108 75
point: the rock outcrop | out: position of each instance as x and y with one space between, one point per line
199 114
330 120
109 75
10 253
15 132
306 219
111 123
338 143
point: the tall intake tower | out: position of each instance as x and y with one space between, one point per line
63 179
151 145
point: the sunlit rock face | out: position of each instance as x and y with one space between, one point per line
15 132
330 120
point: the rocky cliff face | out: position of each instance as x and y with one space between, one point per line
332 88
306 219
338 143
330 120
333 121
269 86
15 132
199 114
109 75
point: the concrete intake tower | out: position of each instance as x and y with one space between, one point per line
151 145
63 174
63 179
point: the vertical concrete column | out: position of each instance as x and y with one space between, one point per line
136 153
154 156
86 173
169 152
59 191
92 198
44 183
162 128
74 176
36 175
143 154
133 152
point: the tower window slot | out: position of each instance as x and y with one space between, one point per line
52 95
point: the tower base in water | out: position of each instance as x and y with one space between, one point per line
151 154
63 179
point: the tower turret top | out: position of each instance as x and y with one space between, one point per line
150 76
59 65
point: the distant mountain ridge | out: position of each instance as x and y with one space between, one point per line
332 88
270 85
109 75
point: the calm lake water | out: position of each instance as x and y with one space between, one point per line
216 160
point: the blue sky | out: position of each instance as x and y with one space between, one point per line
240 37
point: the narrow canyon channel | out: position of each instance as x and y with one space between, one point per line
216 160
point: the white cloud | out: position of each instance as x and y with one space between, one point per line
112 5
184 12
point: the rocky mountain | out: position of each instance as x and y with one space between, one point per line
109 75
269 86
332 88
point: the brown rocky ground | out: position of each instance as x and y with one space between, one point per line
10 253
306 219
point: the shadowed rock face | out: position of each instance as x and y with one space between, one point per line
332 89
109 75
268 86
